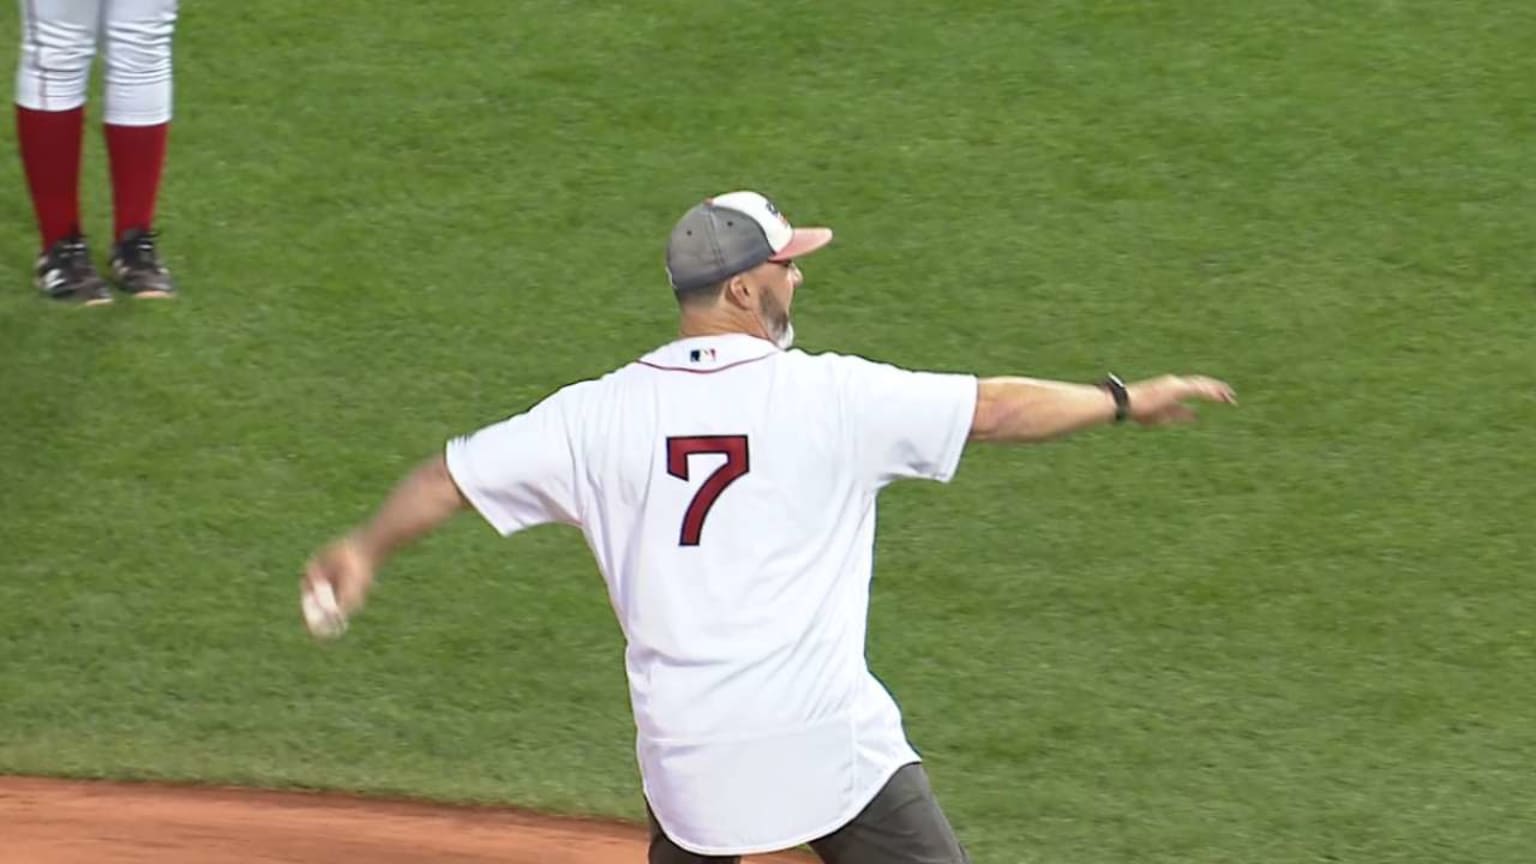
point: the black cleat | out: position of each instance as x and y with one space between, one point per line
65 273
136 266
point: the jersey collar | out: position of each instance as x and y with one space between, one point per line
703 354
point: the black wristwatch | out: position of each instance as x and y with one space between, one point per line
1116 388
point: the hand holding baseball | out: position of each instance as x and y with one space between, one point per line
1163 400
336 581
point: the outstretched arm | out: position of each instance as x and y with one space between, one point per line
1025 410
425 499
518 472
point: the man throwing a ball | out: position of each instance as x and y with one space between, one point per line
726 485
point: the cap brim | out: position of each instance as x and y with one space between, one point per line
803 242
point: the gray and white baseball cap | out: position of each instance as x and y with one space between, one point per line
730 234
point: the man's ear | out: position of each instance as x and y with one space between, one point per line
739 291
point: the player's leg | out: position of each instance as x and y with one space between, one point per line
58 41
903 825
137 43
664 851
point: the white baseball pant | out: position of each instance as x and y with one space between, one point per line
59 39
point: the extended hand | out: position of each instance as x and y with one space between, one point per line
346 567
1161 401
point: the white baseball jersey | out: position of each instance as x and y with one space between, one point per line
727 490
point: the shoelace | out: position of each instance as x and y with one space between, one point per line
141 252
74 258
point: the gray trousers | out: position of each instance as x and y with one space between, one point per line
902 825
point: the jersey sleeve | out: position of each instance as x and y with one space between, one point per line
521 472
908 424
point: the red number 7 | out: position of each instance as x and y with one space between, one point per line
734 447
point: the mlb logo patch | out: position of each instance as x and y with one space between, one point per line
698 355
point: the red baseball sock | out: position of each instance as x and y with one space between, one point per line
136 157
50 154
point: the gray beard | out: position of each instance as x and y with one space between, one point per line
786 336
775 320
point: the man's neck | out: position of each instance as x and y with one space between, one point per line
691 326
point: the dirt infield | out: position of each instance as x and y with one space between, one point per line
63 822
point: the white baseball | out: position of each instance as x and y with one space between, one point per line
322 615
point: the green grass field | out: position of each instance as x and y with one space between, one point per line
1299 632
